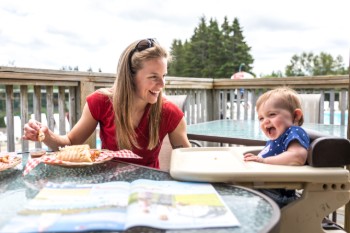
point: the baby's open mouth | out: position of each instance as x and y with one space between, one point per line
270 130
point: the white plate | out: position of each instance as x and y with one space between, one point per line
73 164
14 160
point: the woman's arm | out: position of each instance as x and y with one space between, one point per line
178 138
78 135
83 128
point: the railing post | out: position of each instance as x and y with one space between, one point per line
9 119
62 110
24 114
72 106
86 88
50 108
37 108
347 206
342 105
216 105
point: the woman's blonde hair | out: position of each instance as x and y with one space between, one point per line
285 97
122 95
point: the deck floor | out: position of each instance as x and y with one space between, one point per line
340 216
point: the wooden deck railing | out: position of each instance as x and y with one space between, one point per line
24 92
211 99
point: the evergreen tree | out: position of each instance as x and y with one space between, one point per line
227 53
178 64
240 49
214 47
198 47
212 52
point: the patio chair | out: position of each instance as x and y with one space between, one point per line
310 104
328 151
166 149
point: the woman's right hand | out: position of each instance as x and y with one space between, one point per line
32 129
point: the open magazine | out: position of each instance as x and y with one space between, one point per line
121 205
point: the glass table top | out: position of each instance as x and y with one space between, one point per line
250 130
255 212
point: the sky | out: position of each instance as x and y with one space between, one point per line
50 34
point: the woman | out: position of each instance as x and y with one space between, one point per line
132 114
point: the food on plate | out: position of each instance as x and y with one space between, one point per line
41 135
5 159
94 154
37 153
9 160
77 153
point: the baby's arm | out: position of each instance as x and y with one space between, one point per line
253 157
295 155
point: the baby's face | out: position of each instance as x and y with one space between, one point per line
274 121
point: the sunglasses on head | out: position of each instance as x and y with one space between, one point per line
142 45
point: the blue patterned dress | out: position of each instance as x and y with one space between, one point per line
275 147
280 145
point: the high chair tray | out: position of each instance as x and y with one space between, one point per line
226 164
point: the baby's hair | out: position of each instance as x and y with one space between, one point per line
285 98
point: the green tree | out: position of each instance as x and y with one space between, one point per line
274 74
214 44
212 51
176 51
241 49
309 64
325 64
70 68
227 67
198 50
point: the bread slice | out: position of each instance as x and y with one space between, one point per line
41 135
77 153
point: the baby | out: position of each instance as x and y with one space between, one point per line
280 117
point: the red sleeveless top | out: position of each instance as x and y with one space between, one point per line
101 109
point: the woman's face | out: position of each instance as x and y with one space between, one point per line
150 80
274 121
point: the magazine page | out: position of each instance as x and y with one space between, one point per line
177 205
72 207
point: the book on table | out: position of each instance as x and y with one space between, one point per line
120 205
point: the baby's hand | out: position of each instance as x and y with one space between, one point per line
253 157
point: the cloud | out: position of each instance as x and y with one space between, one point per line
84 33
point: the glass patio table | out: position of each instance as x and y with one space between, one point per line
247 132
254 211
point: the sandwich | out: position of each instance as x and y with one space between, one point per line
77 153
41 135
